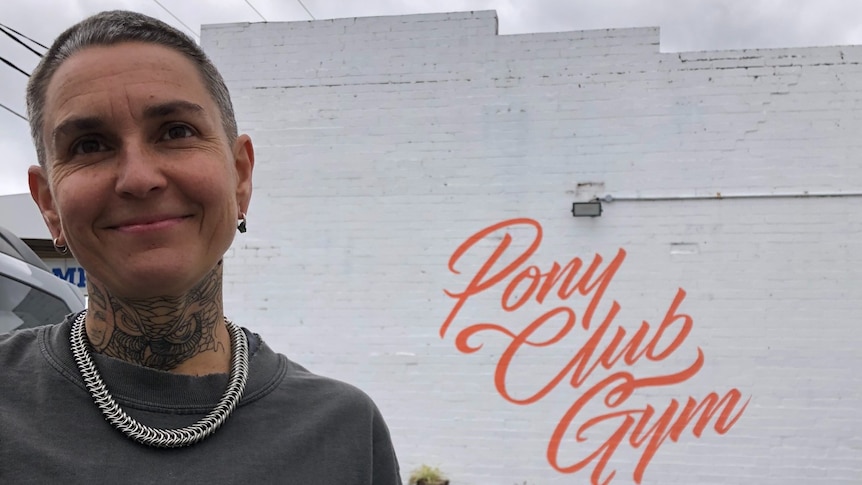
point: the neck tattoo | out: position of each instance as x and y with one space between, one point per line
156 437
161 332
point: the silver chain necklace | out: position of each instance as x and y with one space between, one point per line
163 438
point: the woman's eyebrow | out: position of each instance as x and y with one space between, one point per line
170 108
73 125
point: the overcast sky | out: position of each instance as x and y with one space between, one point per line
686 25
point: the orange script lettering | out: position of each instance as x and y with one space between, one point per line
644 428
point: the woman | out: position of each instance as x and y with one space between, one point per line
143 178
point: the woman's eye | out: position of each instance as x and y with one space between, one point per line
178 131
84 147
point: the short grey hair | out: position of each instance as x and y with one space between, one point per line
115 27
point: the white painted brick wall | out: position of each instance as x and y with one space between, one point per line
384 143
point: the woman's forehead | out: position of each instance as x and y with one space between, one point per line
136 73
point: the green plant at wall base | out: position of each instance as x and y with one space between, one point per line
426 475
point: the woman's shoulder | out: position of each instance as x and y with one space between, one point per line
329 387
19 342
25 349
302 387
279 378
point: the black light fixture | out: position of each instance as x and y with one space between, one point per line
592 208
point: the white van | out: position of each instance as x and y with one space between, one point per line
30 294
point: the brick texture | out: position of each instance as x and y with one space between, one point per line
384 143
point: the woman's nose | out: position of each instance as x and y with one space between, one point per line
139 172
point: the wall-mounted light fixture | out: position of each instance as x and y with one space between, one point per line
592 208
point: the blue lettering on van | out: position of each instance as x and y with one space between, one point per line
69 276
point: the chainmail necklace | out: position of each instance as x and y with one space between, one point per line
156 437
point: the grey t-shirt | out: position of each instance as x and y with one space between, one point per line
291 426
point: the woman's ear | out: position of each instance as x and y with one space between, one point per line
40 190
243 154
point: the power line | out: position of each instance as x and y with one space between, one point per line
16 39
178 19
13 112
306 10
255 10
24 36
13 66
